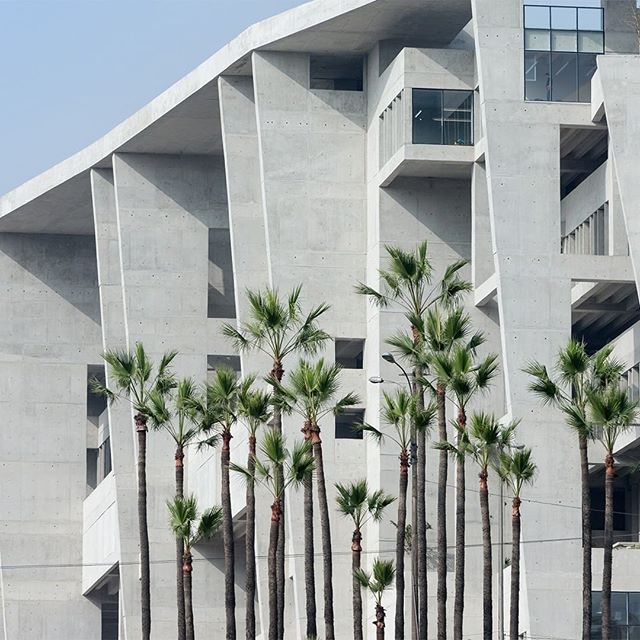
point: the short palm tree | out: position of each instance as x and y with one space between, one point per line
278 327
516 469
276 469
377 583
254 406
576 373
311 393
134 378
355 501
175 415
613 413
191 530
398 411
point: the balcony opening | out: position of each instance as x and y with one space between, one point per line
221 301
442 116
346 424
349 353
98 447
336 73
106 596
582 151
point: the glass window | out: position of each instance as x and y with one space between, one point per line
564 41
564 77
634 632
349 353
537 39
346 424
590 19
427 116
442 116
563 18
457 117
634 608
590 41
536 17
537 76
586 69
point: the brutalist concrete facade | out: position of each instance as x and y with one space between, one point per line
293 155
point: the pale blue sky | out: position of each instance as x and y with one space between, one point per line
70 70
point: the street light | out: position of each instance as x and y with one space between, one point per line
388 357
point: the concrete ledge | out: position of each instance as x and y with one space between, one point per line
486 291
597 268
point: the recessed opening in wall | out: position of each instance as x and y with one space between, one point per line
582 151
346 422
218 361
336 73
349 353
98 457
221 298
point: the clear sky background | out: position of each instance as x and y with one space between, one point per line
70 70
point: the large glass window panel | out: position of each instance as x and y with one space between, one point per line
590 19
634 608
537 76
563 18
564 77
618 608
427 116
586 69
564 41
590 41
634 633
457 111
536 17
537 39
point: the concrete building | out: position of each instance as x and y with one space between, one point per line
501 133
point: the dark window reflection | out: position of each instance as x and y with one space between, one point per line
442 117
427 116
586 69
563 77
537 75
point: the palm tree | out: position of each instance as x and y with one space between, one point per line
356 502
398 411
278 469
134 379
516 469
177 419
407 283
255 407
311 393
277 327
613 412
462 373
191 530
576 374
382 578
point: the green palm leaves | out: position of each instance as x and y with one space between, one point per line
192 527
355 501
377 581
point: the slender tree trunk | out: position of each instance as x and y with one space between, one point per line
442 516
487 597
180 591
325 530
227 536
187 569
309 560
458 602
400 540
514 614
586 539
272 569
145 577
277 372
356 551
250 551
379 622
607 568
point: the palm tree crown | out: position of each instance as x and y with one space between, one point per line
355 501
186 524
380 579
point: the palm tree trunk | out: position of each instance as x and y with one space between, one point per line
514 614
379 622
586 539
227 536
187 569
180 590
250 550
487 602
325 530
400 540
356 551
309 562
272 569
458 606
145 577
442 516
610 475
420 528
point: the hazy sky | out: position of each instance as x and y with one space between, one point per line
70 70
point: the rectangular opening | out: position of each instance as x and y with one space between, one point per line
221 301
109 620
336 73
350 353
345 424
218 361
442 117
98 446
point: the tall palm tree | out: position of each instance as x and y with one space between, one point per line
277 470
355 501
398 411
191 530
464 375
278 327
134 378
254 406
382 579
612 412
407 282
576 373
311 393
175 415
516 469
